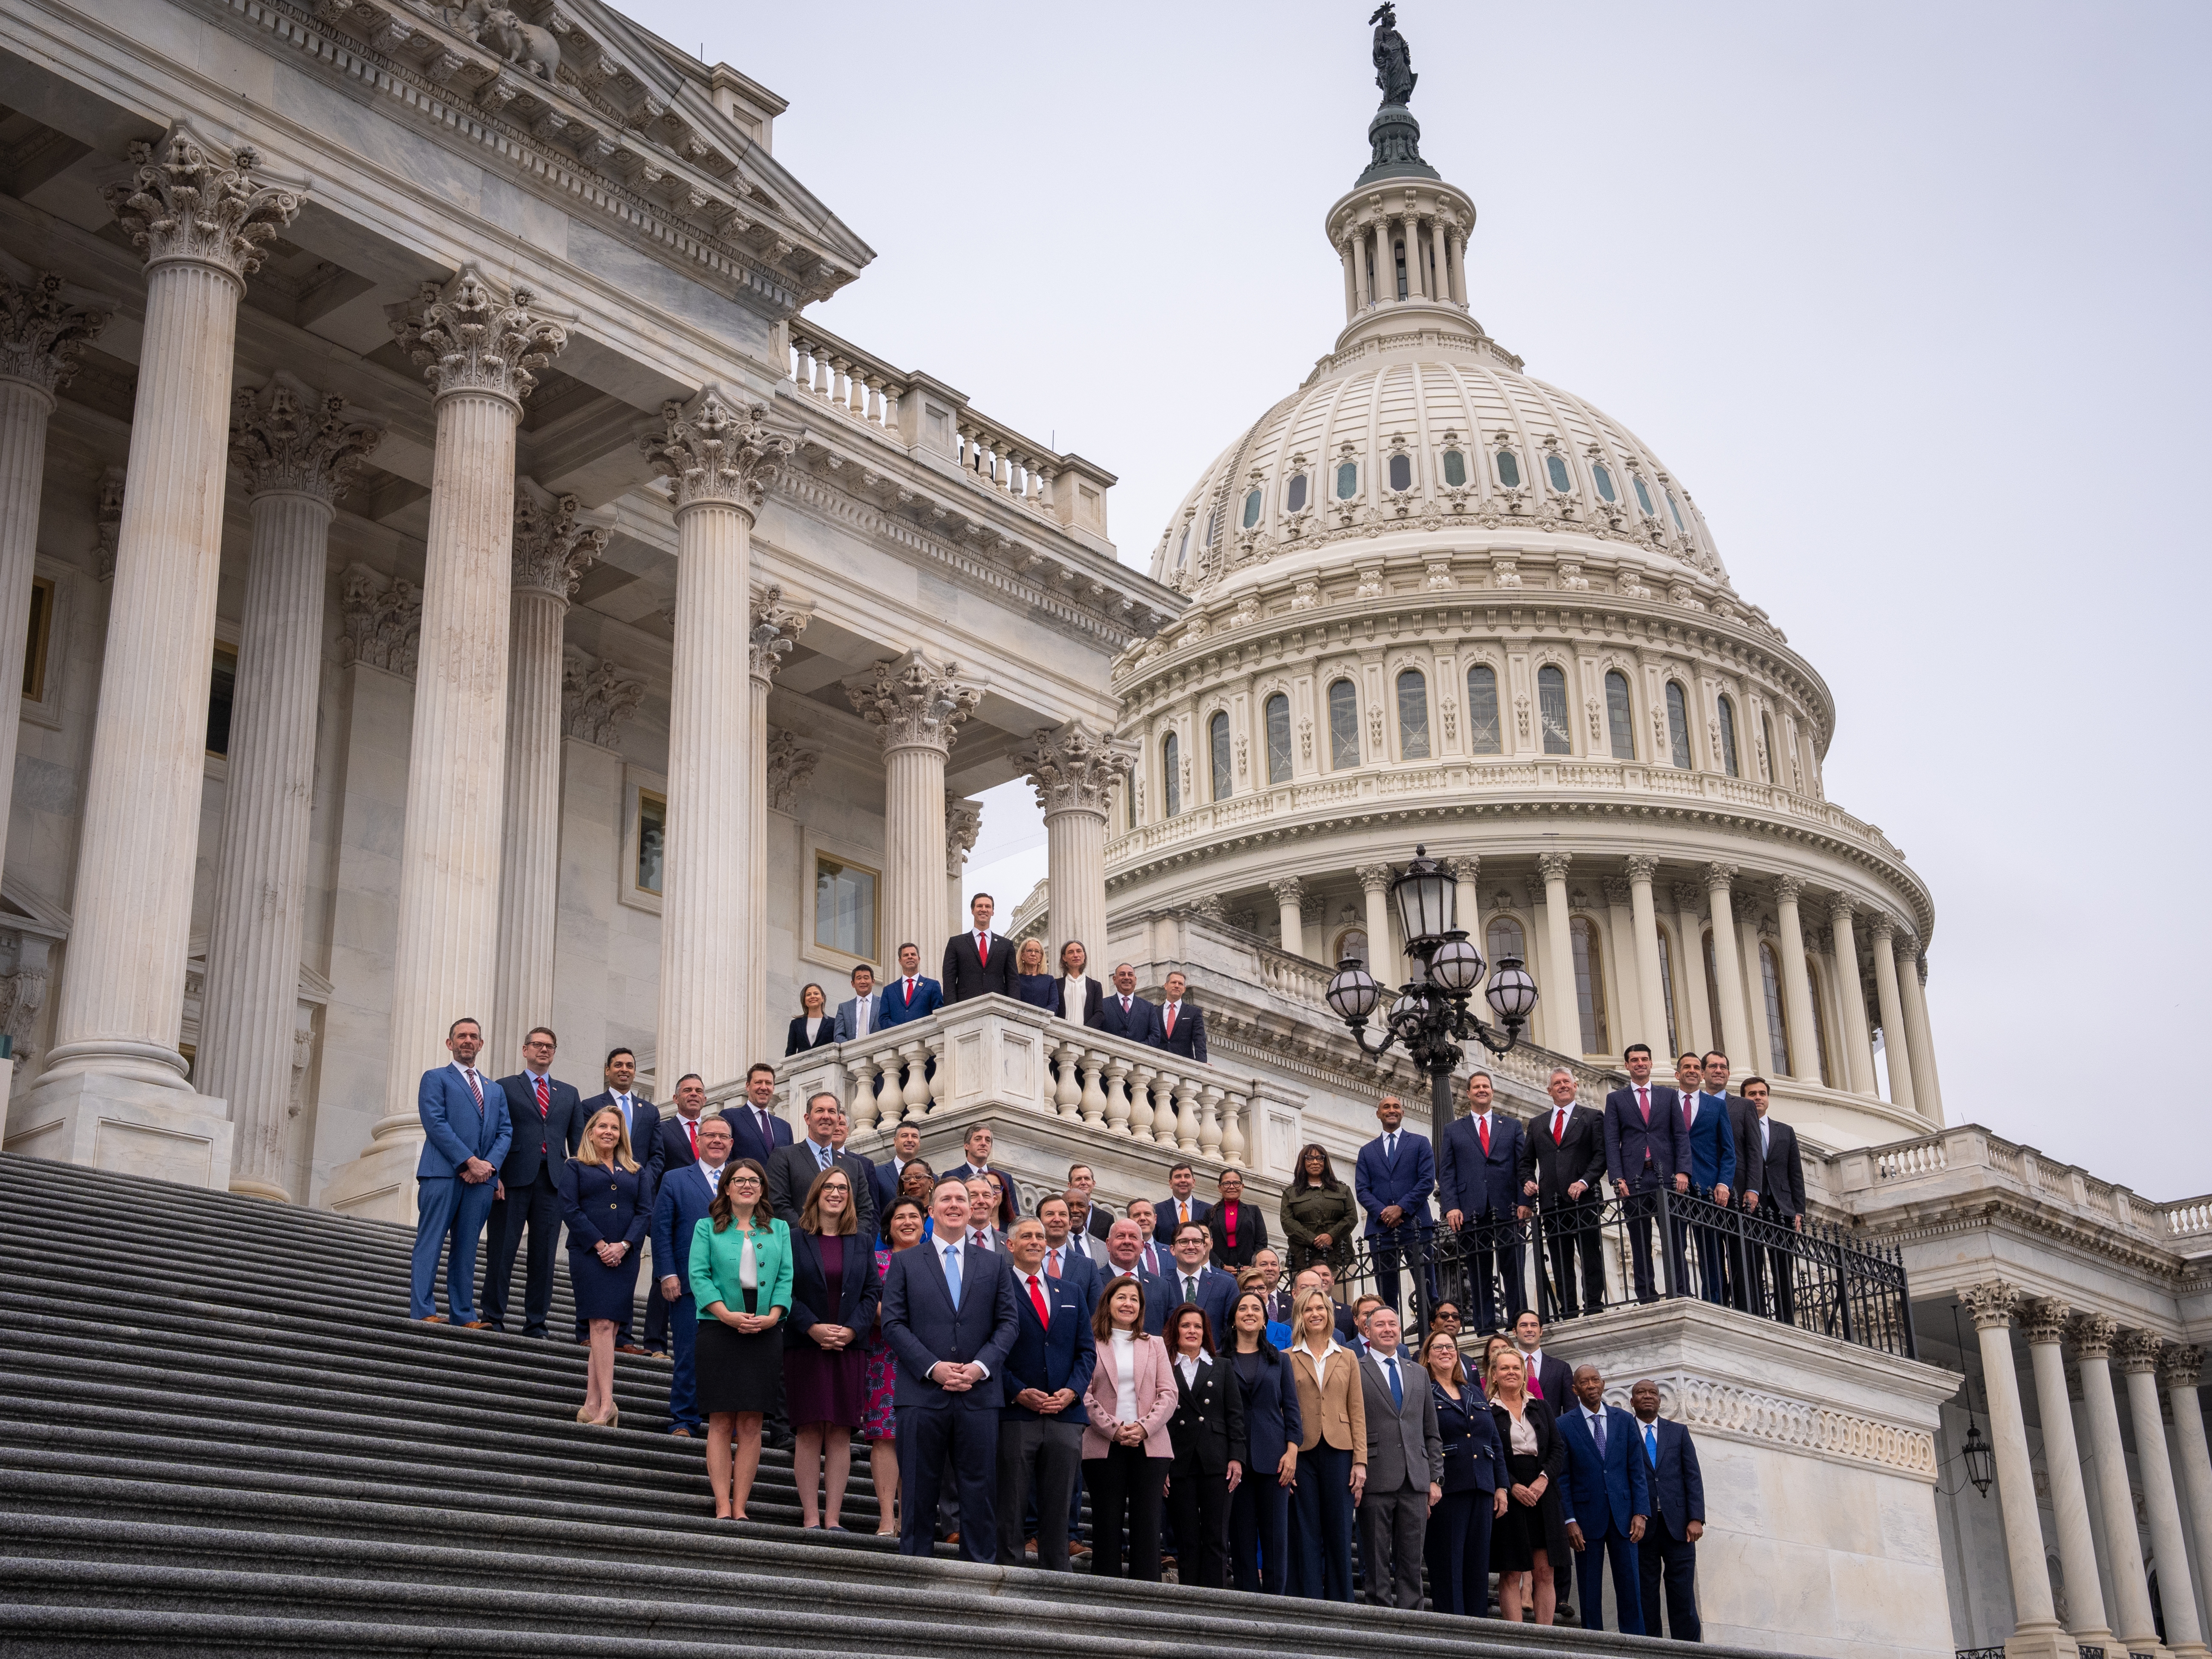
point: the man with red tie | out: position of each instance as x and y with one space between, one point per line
1182 1025
978 962
1041 1425
676 1147
549 1125
1477 1168
912 995
1647 1150
1563 1179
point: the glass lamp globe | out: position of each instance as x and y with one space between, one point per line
1512 992
1457 966
1353 992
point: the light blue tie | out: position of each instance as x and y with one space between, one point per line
952 1273
1652 1443
1397 1389
1597 1431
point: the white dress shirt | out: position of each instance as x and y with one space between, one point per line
1074 996
1189 1364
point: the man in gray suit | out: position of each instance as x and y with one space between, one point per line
792 1169
1405 1465
856 1015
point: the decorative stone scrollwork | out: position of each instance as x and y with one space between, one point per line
41 334
715 449
1719 877
1990 1304
286 437
191 200
790 764
1308 595
595 699
1642 867
2138 1351
1288 890
108 523
1554 865
1616 889
1787 888
2044 1319
776 628
1373 878
1467 867
23 990
383 624
1688 900
470 336
963 822
1073 769
915 702
2178 1367
552 551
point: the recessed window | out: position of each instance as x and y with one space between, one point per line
1620 718
1677 726
1642 495
1509 469
1589 984
1279 739
1484 735
36 639
223 686
1552 712
1213 523
1171 775
1352 945
1401 472
1343 725
1294 499
1727 739
652 842
1766 731
1604 480
844 906
1555 468
1506 939
1251 509
1778 1027
1413 715
1677 512
1217 754
1182 548
1347 480
1454 468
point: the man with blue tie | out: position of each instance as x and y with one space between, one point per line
1605 1501
466 1135
950 1316
1706 1116
1477 1169
1678 1518
756 1130
549 1125
1124 1013
1393 1179
643 1119
1646 1149
1041 1425
677 1210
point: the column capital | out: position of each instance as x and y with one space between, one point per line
1073 768
1554 865
286 437
1642 867
2094 1335
596 697
552 550
963 822
1990 1304
1839 910
776 628
1688 896
918 704
2044 1319
383 621
1373 878
2178 1367
1616 889
192 201
715 449
1466 867
1719 877
790 764
41 334
1288 890
1881 925
1787 888
471 335
2138 1351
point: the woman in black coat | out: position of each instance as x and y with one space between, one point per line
1474 1484
1529 1537
834 1293
1211 1447
1260 1508
814 1028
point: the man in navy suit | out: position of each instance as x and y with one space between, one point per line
1181 1204
910 996
906 1147
1191 1280
466 1135
978 963
1563 1177
1605 1501
643 1119
1393 1179
1182 1025
1152 1255
1647 1148
677 1210
1041 1425
1773 1173
950 1316
675 1146
1678 1518
756 1128
1065 1258
1124 1013
1707 1113
975 1148
549 1125
1477 1185
1125 1245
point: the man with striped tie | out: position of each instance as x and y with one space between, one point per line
466 1135
549 1125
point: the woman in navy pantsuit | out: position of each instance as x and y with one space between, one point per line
607 1202
1474 1484
1260 1508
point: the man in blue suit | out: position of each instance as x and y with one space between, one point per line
1041 1425
1183 1022
1393 1179
677 1210
1678 1518
912 995
1707 1113
1646 1148
1125 1259
641 1118
1124 1013
466 1135
1605 1501
1191 1280
950 1316
1478 1186
549 1125
756 1129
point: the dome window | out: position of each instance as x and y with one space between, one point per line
1279 739
1642 495
1604 482
1552 711
1728 761
1347 480
1213 523
1454 469
1252 509
1413 715
1484 734
1182 548
1295 499
1677 512
1555 468
1217 754
1509 469
1620 720
1401 472
1170 776
1343 725
1677 726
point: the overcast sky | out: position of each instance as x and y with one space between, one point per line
1912 298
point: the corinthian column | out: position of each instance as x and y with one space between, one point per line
2094 1335
552 551
2036 1629
2044 1323
2176 1374
1796 984
1894 1044
2139 1352
1466 872
1727 967
1561 1009
1644 920
478 348
1290 898
775 630
1073 770
918 706
200 216
294 450
41 335
718 458
1375 890
1857 1040
1912 984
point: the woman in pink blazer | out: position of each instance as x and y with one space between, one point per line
1126 1452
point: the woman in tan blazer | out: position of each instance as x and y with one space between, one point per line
1332 1456
1126 1450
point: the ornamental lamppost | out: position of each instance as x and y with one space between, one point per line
1431 1016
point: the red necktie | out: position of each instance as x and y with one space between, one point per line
1052 1268
1036 1301
983 949
1688 1107
1535 1385
475 1088
909 992
1644 1100
1482 1128
1558 1125
691 1128
1171 1011
543 1097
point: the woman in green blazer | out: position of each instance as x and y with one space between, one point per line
740 1273
1319 1215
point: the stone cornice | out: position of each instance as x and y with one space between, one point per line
1951 1215
1733 1412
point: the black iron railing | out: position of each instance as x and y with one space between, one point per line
1997 1652
1573 1260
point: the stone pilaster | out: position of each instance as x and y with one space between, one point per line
1643 922
1558 1007
596 698
1858 1039
201 214
2140 1355
294 450
1895 1047
2094 1335
1290 893
917 705
775 631
1919 1042
1733 1017
1375 895
1466 872
1074 770
553 548
2045 1324
719 457
2178 1369
2036 1629
1797 984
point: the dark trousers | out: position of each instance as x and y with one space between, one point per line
1260 1533
959 1441
1320 1520
1125 1502
683 1378
1392 1248
538 1207
1458 1549
1642 1206
656 1313
1198 1503
448 1209
1660 1555
1783 1265
1570 1229
1485 1264
1627 1582
1392 1528
1039 1455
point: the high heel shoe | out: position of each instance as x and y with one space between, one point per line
612 1419
583 1414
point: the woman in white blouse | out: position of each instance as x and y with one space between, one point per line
1126 1450
814 1028
1076 995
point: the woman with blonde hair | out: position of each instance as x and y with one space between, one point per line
1332 1466
1529 1537
741 1281
1032 984
834 1293
607 1203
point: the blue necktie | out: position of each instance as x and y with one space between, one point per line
1597 1431
1652 1443
952 1273
1397 1391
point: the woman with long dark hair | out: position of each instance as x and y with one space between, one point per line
1474 1484
833 1293
1320 1217
1259 1507
741 1281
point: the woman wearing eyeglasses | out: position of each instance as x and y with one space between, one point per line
741 1279
825 1366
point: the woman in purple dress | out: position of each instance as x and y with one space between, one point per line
902 1225
834 1293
